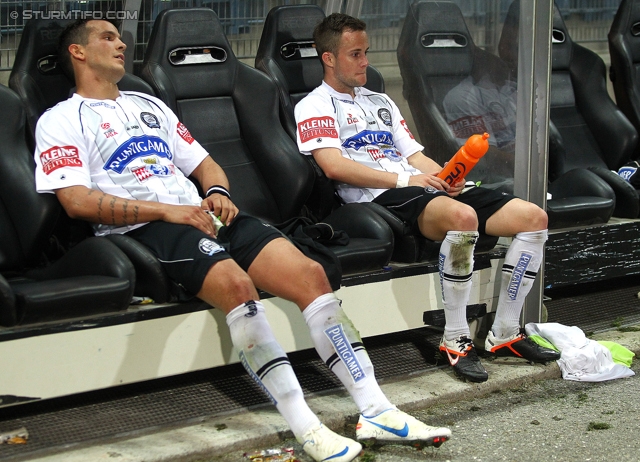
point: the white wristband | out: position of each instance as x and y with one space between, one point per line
403 180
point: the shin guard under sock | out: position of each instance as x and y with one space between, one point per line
267 363
340 347
456 268
521 265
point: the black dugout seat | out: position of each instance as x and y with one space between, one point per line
588 129
624 50
93 277
232 109
455 89
287 54
37 78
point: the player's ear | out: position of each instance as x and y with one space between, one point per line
77 51
328 58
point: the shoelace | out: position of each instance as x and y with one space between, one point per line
464 343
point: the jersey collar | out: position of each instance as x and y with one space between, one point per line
344 96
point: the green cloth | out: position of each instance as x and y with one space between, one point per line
543 342
620 354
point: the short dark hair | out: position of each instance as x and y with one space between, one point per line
75 33
327 33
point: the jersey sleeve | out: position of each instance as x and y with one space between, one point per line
316 124
405 142
188 153
61 156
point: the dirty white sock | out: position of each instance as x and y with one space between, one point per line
339 345
519 270
456 268
267 363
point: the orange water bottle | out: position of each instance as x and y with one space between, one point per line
465 159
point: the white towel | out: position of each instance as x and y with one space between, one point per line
581 359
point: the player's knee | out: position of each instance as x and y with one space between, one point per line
536 218
463 218
315 273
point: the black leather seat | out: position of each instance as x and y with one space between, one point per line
232 110
93 277
624 50
455 89
588 129
38 79
286 53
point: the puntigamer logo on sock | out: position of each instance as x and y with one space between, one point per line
344 350
518 274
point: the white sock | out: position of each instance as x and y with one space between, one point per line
456 268
339 345
521 265
267 363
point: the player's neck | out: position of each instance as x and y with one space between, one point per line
96 87
340 87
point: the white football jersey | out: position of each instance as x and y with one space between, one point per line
134 147
368 129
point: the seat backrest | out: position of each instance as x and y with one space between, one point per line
287 54
624 50
448 82
27 218
230 108
595 133
37 77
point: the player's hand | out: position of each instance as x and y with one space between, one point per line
426 179
457 188
222 206
191 215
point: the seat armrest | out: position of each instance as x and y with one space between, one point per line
627 201
95 256
151 279
359 221
8 315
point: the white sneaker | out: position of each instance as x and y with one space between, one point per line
323 444
395 426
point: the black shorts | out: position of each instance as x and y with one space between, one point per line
187 253
408 203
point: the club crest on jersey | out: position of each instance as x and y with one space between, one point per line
58 157
134 148
385 116
367 138
209 247
150 120
351 119
317 127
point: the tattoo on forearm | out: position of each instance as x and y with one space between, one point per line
100 199
124 211
112 206
135 214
